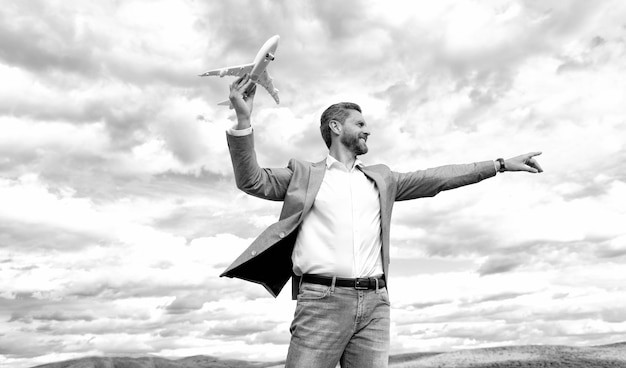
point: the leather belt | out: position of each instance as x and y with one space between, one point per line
361 283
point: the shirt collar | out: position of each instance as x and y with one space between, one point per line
330 161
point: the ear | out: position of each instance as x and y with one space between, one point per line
335 126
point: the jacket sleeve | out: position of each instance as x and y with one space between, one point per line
260 182
429 182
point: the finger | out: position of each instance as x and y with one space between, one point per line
244 80
530 169
536 165
530 161
251 90
532 166
244 90
238 82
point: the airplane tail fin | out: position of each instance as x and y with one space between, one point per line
226 103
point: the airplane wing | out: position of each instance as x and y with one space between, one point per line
236 71
266 81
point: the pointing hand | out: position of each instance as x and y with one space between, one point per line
524 162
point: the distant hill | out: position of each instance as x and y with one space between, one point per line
525 356
155 362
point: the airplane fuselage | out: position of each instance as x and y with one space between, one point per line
256 70
264 57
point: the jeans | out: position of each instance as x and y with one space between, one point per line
339 324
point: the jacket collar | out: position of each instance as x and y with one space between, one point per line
330 161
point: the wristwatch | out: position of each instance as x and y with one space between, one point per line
502 168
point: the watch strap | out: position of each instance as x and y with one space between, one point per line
502 167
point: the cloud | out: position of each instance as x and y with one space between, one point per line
492 266
614 248
51 51
188 303
500 297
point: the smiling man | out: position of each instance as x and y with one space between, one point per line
332 236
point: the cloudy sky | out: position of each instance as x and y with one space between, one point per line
118 208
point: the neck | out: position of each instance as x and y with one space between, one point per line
343 155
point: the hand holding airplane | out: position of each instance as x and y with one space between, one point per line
256 70
242 99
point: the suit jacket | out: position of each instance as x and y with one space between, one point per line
267 260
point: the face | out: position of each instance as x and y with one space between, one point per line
354 133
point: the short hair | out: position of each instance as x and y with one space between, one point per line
339 112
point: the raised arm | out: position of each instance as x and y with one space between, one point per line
250 177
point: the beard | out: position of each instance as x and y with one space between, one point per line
354 144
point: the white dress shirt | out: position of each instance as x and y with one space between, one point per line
341 234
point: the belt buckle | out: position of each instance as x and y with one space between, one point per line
361 284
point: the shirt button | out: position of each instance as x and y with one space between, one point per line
253 253
282 234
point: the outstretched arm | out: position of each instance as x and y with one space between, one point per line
427 183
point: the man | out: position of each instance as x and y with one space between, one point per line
332 236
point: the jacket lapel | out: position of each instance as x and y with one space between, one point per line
385 210
380 185
316 176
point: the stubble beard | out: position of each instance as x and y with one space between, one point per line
354 144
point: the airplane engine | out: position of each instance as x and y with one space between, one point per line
222 73
269 56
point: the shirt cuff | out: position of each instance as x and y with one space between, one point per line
239 132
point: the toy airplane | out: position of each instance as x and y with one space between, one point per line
256 69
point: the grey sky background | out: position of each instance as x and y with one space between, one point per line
118 208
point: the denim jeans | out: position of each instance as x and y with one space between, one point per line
339 324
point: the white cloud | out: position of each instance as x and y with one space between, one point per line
29 201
